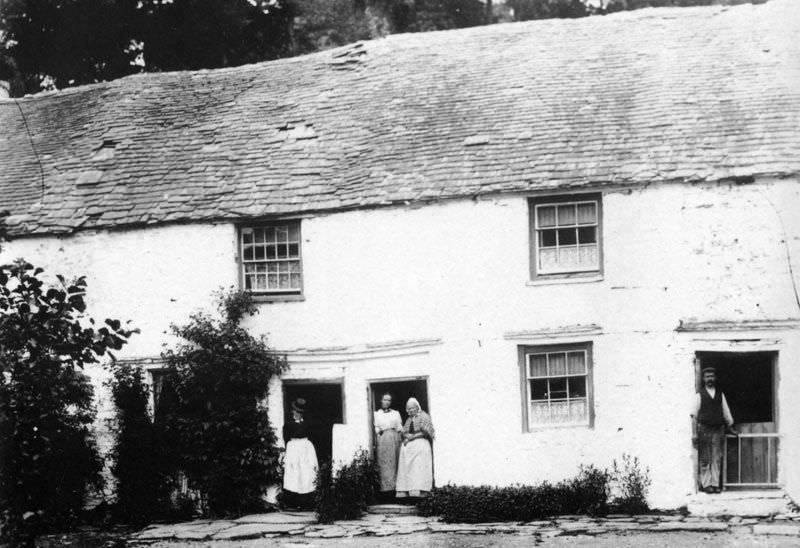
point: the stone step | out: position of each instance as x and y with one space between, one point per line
393 509
740 503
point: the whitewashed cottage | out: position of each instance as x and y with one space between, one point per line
540 230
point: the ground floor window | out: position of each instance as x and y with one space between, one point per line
557 385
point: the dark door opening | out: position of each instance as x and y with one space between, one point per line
748 381
325 408
401 390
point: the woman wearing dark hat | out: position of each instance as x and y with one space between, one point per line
300 462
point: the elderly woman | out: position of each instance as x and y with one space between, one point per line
415 467
388 432
300 462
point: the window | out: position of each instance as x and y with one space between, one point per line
271 259
565 235
558 385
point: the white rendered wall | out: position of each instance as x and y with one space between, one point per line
458 272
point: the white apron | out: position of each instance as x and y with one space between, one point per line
300 466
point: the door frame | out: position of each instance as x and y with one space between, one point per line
371 401
774 365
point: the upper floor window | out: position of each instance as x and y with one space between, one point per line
271 258
566 235
558 385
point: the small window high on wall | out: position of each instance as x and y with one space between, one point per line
566 236
557 385
271 259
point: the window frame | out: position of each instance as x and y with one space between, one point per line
556 200
271 295
523 352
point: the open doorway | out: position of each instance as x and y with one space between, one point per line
401 390
325 403
749 382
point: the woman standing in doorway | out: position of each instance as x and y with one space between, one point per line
415 467
388 431
300 462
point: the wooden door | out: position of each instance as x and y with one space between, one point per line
748 381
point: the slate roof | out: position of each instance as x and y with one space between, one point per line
655 95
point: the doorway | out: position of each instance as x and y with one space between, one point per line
325 401
401 390
749 382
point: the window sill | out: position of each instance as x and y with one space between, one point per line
565 279
551 427
276 298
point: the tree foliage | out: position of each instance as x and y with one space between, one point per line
222 436
48 458
142 459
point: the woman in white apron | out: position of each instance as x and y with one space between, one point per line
415 466
388 431
300 461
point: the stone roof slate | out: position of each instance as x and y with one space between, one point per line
654 95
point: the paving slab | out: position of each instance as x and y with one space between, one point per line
253 530
776 529
279 517
690 526
406 520
203 532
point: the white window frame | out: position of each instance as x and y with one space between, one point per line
525 354
536 204
244 261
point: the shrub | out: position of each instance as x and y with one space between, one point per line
48 457
223 440
631 482
585 494
346 494
141 462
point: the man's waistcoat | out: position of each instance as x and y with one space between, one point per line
710 408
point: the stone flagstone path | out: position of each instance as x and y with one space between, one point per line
303 524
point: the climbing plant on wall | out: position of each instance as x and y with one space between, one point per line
48 458
220 374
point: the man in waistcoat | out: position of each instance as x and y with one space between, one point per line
712 417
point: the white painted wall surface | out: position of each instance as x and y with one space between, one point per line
458 272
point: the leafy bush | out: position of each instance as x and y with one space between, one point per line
48 457
141 462
586 494
631 483
219 427
346 494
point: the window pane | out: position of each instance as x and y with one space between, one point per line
539 389
258 235
559 412
247 235
259 253
283 251
273 281
538 365
269 234
558 388
576 364
294 267
248 253
547 238
566 215
547 216
579 411
261 281
567 236
558 364
283 281
548 259
568 257
281 234
587 235
294 233
295 278
587 255
540 413
249 268
294 250
587 213
248 282
577 387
